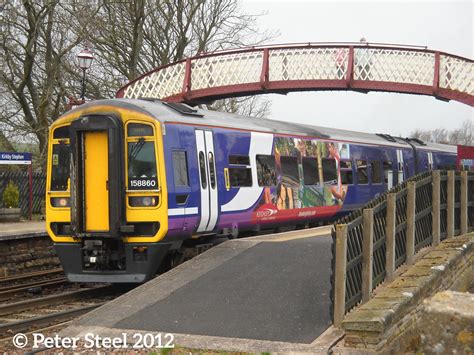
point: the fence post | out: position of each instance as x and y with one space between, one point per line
340 275
411 228
367 253
463 202
390 233
436 205
450 207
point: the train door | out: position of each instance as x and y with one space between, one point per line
208 180
96 171
400 165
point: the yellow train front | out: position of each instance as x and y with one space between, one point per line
103 229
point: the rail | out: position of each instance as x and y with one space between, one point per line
308 66
372 242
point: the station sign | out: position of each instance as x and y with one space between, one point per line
15 158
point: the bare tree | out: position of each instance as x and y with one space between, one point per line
252 106
463 135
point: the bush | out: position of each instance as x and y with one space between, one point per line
11 196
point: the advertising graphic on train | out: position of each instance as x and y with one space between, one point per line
301 180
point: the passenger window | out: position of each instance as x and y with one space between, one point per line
240 177
347 177
362 177
239 159
310 171
376 172
202 170
266 170
329 170
139 130
289 169
212 172
180 168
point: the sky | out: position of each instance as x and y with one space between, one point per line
443 25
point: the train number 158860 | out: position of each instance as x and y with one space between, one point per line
142 183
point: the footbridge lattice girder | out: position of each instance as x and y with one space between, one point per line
280 69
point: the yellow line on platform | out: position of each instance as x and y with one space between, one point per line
320 232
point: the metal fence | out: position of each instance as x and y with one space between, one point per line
21 179
372 242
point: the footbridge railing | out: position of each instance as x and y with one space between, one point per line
310 66
372 242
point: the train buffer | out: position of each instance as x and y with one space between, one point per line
265 293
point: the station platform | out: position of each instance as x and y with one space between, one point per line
265 293
18 230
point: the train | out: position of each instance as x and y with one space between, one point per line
131 182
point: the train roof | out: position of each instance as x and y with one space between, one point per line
180 113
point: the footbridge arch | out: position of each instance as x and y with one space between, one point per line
309 66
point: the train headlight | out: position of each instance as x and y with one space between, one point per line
143 201
61 202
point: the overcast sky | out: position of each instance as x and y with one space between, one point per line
443 25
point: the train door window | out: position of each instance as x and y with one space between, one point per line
329 170
376 167
180 168
347 177
60 167
202 170
430 161
239 160
266 170
362 177
240 177
212 170
310 171
289 169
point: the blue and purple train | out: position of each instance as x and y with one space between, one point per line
132 182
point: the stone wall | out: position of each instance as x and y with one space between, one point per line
23 255
389 321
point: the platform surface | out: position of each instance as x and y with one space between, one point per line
21 229
269 288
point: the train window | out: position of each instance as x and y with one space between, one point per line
202 170
329 170
266 170
376 167
362 177
142 166
61 132
346 164
347 178
60 167
387 166
310 171
239 159
139 130
240 177
212 170
180 168
289 169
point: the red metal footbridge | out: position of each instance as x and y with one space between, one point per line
311 66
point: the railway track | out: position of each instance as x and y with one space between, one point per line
48 312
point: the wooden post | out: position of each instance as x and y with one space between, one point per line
340 275
367 253
390 235
436 203
450 207
411 211
463 209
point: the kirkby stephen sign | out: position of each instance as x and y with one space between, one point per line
15 158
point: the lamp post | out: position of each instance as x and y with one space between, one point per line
84 58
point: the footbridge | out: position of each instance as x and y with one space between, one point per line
310 66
